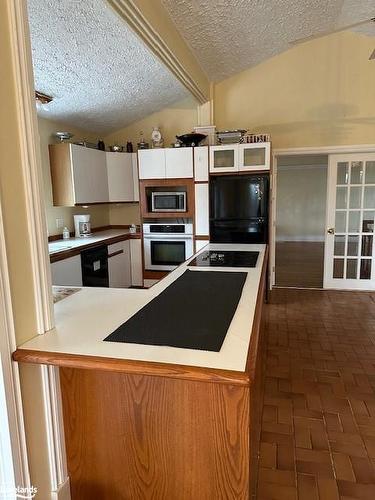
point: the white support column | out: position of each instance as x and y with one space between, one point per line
44 424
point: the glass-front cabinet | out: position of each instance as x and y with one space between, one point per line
254 156
240 157
224 158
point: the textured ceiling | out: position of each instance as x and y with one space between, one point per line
228 36
101 76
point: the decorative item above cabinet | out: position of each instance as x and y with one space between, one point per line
84 176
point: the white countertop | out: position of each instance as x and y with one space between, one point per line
62 245
85 318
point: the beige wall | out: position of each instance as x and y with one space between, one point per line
177 119
99 213
317 93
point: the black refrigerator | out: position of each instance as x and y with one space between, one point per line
239 208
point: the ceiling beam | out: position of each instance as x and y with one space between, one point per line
151 22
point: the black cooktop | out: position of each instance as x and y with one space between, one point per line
225 258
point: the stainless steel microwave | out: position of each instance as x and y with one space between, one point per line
162 201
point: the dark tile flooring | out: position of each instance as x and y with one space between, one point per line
318 427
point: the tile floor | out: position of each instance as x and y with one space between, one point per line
318 427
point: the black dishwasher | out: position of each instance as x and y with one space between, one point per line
94 263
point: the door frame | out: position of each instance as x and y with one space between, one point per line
48 421
323 150
14 451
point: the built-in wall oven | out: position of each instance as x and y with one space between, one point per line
166 246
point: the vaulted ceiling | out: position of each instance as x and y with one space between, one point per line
228 36
101 76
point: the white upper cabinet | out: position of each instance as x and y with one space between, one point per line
81 176
151 163
165 163
90 175
121 172
201 164
240 157
224 158
178 163
254 156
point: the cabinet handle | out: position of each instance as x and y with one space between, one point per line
115 253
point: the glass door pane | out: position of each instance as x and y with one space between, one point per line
254 156
224 158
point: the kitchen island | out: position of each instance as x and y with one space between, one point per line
151 421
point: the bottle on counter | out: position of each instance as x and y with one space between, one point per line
66 233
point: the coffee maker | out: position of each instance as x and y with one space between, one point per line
82 226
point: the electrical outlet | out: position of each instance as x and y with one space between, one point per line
59 223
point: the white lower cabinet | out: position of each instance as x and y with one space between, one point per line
119 265
136 262
67 272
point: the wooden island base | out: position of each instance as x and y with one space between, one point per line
140 437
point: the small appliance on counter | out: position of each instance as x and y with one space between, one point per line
82 226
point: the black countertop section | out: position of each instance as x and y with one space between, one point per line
194 312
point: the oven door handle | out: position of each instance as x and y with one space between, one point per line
168 236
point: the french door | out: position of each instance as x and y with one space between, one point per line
349 245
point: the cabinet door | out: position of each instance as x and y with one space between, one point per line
254 156
178 163
135 177
151 163
201 210
201 163
90 175
199 244
119 265
136 262
224 158
120 176
67 272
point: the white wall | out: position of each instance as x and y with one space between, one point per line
301 199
